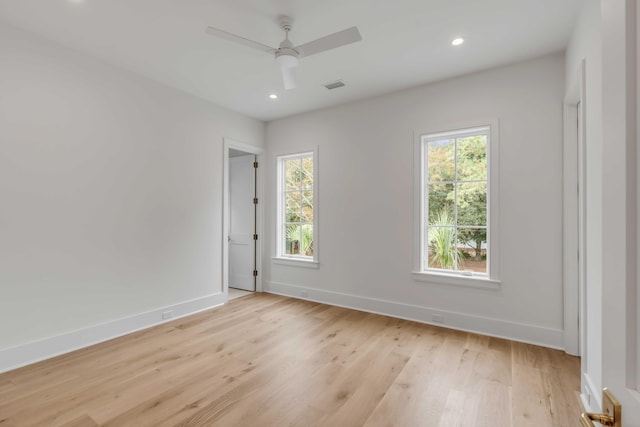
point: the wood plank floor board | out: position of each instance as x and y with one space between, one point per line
408 397
340 352
494 406
371 388
420 392
273 361
82 421
531 405
166 403
561 403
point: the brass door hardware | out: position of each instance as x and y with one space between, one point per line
612 415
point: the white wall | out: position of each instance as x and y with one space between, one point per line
366 201
111 193
586 45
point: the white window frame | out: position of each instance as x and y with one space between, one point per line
281 257
491 280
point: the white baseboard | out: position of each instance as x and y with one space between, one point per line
590 396
531 334
26 354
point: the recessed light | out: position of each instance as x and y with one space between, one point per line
273 96
76 1
458 41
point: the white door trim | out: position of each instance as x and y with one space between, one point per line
259 153
574 339
570 230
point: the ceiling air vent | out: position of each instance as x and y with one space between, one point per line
334 85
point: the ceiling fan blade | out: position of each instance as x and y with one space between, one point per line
289 78
238 39
341 38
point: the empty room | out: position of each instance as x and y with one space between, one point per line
319 213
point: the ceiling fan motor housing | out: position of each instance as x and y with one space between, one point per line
286 55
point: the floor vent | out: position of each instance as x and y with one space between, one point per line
334 85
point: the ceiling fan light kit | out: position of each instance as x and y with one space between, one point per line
287 55
287 58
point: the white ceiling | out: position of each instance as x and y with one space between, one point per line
405 42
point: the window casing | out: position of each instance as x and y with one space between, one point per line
296 207
456 222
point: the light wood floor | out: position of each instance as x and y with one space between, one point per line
265 360
238 293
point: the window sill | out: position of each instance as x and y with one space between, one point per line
457 280
295 262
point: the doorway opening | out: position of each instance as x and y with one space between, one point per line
242 219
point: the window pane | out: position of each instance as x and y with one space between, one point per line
292 174
292 245
307 206
440 160
292 207
306 243
296 205
307 173
472 249
441 248
455 198
440 199
472 158
472 204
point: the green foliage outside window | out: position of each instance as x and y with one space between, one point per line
457 200
298 206
443 252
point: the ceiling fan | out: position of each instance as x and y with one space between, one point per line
287 55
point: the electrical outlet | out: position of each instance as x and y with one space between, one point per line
304 294
167 314
437 317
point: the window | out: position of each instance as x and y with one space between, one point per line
455 227
296 200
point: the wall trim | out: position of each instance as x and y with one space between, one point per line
590 397
36 351
526 333
573 238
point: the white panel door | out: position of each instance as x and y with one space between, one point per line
242 222
620 327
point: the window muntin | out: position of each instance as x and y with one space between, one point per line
296 195
455 196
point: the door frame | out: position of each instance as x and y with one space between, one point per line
574 236
229 144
